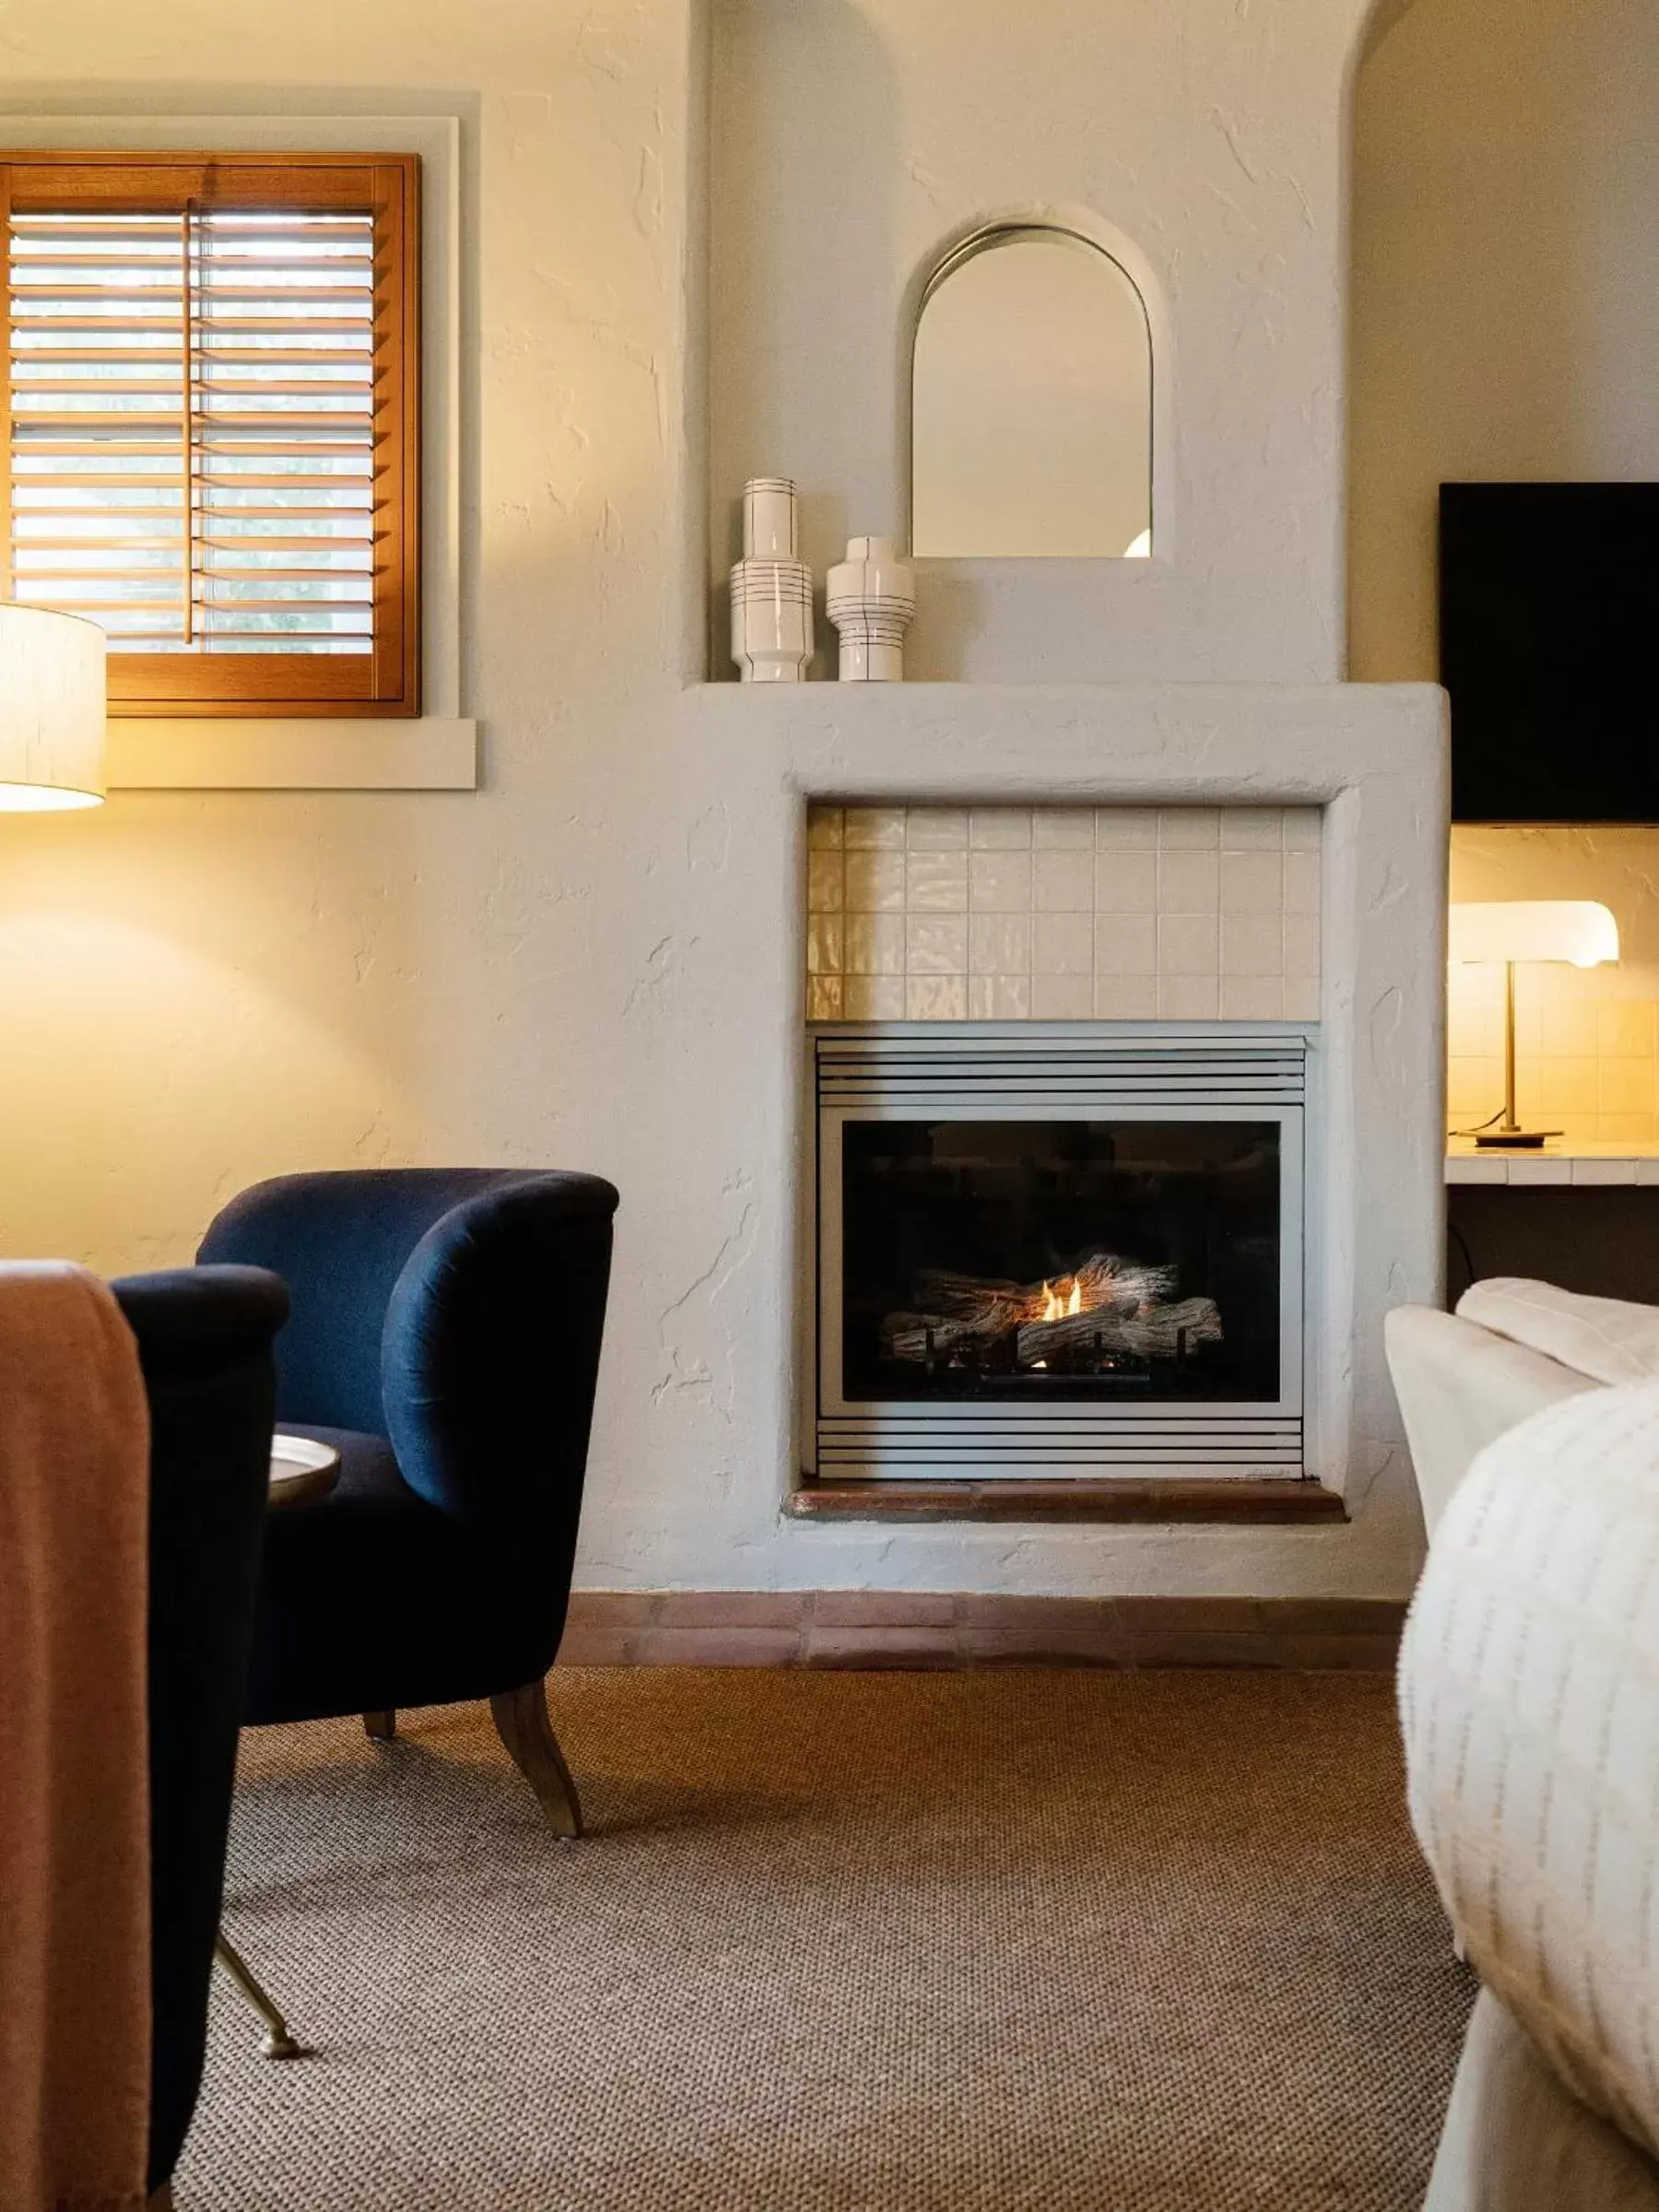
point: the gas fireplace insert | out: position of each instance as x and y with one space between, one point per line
1045 1252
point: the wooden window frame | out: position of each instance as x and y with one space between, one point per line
386 682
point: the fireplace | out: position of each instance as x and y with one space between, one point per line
1058 1248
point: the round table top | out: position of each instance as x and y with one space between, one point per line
301 1469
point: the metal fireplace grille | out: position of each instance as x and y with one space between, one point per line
929 1073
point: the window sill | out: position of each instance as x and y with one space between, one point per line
432 753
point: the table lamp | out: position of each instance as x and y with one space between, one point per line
1579 931
51 710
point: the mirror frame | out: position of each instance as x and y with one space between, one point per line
985 237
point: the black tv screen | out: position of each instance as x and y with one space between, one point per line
1549 602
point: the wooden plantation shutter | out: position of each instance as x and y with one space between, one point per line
212 434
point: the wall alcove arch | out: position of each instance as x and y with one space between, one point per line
1030 399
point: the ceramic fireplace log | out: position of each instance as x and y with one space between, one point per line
1158 1332
1106 1283
1155 1332
933 1336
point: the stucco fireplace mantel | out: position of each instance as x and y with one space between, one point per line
1090 744
706 1386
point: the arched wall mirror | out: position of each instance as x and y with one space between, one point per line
1032 402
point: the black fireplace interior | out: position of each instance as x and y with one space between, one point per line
1124 1260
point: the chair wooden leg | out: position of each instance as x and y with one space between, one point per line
521 1722
380 1727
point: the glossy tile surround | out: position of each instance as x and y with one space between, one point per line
1586 1055
1013 913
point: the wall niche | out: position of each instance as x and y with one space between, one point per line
1031 414
854 144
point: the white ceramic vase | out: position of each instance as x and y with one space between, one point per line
771 588
871 599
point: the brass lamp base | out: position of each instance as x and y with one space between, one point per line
1514 1140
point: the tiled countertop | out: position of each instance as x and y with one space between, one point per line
1559 1162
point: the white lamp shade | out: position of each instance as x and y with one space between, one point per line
1579 931
53 696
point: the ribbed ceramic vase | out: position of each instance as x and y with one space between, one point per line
771 588
871 599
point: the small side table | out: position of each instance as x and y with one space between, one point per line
301 1470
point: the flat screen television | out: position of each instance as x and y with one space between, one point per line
1548 609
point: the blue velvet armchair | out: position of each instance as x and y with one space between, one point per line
446 1338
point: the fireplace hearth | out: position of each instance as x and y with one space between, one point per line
1059 1250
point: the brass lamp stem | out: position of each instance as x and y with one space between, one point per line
1508 1131
1508 1123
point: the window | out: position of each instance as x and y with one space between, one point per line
212 432
1032 402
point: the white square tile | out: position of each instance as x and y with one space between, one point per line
824 998
1126 828
1125 881
937 882
1062 883
1125 997
1540 1170
1252 998
1189 945
1569 1028
1189 829
873 998
1252 828
1252 883
1188 998
1000 828
1189 883
1302 945
1000 883
826 827
999 943
1062 945
875 882
935 945
824 883
1253 945
1301 998
999 998
937 829
1062 829
1304 829
1125 945
935 998
1470 1169
1301 883
826 950
874 945
869 827
1062 998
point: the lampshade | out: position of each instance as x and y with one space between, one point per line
51 710
1579 931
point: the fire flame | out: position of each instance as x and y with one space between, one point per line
1057 1304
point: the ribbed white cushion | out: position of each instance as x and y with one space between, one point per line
1603 1338
1529 1695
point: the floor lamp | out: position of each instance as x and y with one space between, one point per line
1578 931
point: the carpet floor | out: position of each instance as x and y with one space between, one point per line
1082 1941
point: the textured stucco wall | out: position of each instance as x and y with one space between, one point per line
1204 142
1505 279
199 990
1517 340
